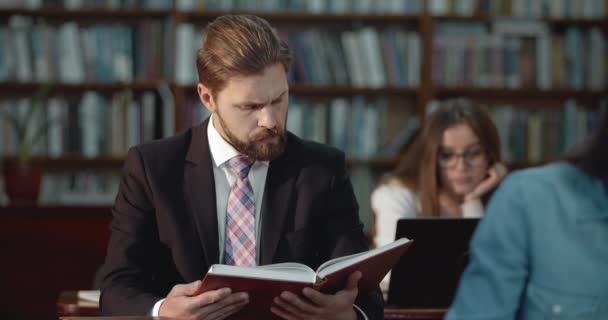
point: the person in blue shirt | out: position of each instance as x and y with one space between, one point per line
541 251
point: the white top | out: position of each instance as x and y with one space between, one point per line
393 201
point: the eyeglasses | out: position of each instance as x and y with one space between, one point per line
472 158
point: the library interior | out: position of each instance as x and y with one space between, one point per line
83 81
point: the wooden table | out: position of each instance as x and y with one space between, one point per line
70 307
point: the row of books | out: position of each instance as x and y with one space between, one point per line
40 51
85 4
519 54
92 126
312 6
583 9
363 129
366 57
357 126
535 135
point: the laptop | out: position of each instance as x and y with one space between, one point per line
427 275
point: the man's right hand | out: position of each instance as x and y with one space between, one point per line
215 305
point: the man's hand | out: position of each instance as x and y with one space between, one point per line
216 305
495 174
319 306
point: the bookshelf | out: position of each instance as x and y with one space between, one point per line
397 99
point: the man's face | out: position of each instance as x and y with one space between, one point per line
251 112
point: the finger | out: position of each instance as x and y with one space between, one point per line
287 306
353 281
282 313
230 300
301 306
185 289
226 312
210 297
316 297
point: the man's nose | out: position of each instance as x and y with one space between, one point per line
266 117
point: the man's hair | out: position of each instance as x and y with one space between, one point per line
238 45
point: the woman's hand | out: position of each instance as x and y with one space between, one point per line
495 174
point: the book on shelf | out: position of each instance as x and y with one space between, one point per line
264 283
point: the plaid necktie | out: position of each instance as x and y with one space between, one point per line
239 246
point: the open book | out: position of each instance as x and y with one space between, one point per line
264 283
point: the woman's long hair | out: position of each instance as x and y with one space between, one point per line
418 169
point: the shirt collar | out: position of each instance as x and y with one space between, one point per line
221 150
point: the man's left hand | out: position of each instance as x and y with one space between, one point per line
316 305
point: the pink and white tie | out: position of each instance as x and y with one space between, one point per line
239 246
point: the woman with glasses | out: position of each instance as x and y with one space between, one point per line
449 171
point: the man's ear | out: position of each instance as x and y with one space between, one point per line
204 94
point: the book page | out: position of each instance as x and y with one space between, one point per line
281 271
337 264
89 295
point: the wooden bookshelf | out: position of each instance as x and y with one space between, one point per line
88 13
307 18
334 90
71 162
8 89
518 95
306 90
420 96
556 22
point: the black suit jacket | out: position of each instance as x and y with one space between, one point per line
164 227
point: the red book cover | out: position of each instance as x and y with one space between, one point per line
264 283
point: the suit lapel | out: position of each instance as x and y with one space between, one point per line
278 192
200 192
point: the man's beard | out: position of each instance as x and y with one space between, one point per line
253 149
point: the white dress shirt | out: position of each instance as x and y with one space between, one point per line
224 178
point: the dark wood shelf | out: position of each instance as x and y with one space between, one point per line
558 22
56 211
88 13
334 90
305 17
526 94
566 22
21 88
460 18
73 162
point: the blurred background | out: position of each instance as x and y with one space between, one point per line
81 81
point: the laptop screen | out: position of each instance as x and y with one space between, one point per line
427 275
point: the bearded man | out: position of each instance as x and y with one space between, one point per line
237 189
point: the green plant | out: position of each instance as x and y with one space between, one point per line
27 135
